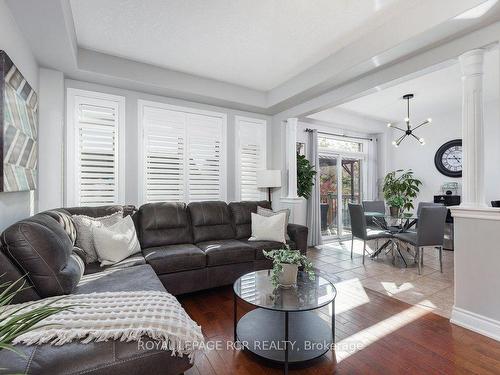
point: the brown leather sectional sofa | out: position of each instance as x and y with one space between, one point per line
185 248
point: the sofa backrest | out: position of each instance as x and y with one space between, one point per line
211 221
161 224
42 250
10 273
242 216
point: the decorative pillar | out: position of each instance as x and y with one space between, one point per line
471 63
291 156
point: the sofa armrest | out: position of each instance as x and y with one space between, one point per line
298 234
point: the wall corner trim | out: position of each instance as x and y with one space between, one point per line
476 322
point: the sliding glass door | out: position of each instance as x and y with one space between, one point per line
341 182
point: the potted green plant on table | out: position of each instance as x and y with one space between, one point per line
400 188
286 264
305 177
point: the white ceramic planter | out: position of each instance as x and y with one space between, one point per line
288 277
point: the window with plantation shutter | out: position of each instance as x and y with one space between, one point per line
182 154
94 168
250 157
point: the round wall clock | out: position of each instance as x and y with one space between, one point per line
448 159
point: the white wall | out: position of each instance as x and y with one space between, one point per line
445 127
16 206
477 305
132 133
51 139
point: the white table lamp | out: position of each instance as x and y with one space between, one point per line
268 179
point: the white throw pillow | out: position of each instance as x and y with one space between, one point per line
84 225
267 212
268 228
117 242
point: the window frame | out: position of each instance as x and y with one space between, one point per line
237 143
141 104
72 143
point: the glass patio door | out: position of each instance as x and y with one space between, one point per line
351 190
335 171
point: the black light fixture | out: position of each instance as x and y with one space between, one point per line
408 131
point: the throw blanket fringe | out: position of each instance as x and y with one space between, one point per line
124 316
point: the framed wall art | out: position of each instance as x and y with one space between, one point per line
18 129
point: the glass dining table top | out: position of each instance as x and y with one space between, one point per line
257 289
407 216
400 223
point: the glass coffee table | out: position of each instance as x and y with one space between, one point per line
284 328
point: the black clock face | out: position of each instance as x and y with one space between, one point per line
448 158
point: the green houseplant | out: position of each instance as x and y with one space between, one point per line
21 319
305 177
286 263
400 188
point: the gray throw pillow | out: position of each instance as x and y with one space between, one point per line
267 212
84 234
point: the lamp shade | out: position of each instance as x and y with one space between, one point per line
268 178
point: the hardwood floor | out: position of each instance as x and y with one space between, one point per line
376 334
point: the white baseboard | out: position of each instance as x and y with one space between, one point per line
476 322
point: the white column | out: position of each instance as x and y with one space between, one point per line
291 156
471 63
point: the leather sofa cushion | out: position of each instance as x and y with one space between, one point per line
130 279
133 260
265 245
163 224
226 252
175 258
211 221
40 247
241 212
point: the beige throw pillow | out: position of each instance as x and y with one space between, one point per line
267 212
117 242
268 228
84 235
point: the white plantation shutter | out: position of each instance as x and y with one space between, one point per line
95 129
164 144
204 158
251 157
183 155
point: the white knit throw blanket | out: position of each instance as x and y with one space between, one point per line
124 316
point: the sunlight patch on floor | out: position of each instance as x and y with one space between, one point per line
362 339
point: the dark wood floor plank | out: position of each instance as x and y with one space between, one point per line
398 339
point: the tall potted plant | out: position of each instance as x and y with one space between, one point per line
305 177
400 189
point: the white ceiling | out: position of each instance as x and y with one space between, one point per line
436 92
254 43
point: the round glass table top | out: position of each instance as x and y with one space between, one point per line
257 289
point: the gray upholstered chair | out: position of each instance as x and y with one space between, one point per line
373 206
426 204
430 233
360 230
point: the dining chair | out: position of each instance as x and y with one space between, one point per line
426 204
430 233
360 230
373 206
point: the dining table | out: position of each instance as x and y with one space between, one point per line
394 224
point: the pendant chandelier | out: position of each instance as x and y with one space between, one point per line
408 132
